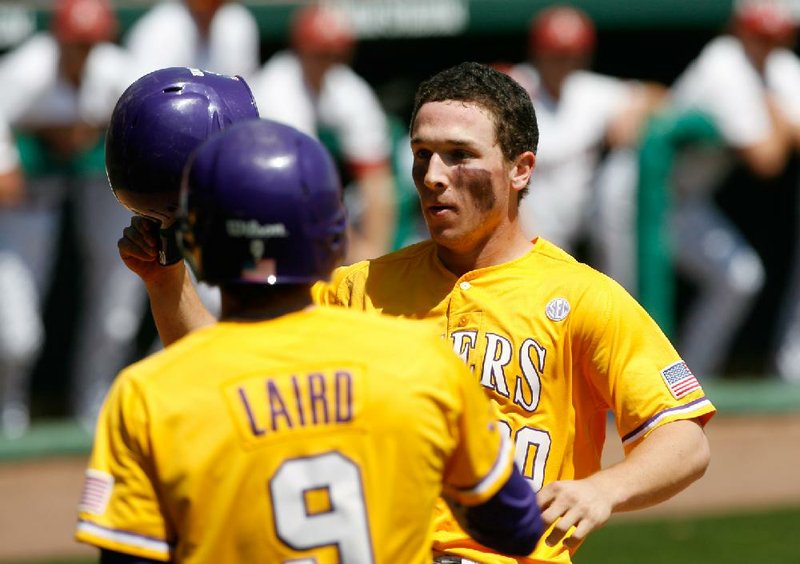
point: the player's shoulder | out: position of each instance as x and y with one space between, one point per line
281 65
156 367
39 49
234 12
559 267
393 262
721 54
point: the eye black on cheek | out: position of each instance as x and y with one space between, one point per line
478 182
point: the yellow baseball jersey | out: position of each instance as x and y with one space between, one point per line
555 344
325 435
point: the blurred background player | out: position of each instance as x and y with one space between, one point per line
315 449
58 91
215 35
582 114
311 87
747 82
20 334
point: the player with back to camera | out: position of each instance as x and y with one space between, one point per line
305 433
555 344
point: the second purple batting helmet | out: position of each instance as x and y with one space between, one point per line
157 123
261 203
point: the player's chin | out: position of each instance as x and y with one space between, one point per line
445 235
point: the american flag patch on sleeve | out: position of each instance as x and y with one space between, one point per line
679 379
97 488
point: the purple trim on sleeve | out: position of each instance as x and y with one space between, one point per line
661 414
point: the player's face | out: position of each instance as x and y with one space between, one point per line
460 173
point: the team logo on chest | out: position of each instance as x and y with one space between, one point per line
557 309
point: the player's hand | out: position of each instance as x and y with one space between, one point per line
138 249
573 503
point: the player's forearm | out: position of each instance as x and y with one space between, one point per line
380 214
666 462
176 307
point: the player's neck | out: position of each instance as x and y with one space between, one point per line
502 247
262 303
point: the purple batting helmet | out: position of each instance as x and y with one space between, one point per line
156 124
261 203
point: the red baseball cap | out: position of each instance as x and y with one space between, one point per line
89 21
768 19
320 29
562 30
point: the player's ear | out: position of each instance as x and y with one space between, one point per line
520 173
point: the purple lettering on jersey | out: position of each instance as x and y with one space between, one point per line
277 406
316 395
301 413
257 431
344 405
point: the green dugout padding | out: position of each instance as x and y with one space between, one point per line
38 160
664 137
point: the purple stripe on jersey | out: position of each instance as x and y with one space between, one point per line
661 414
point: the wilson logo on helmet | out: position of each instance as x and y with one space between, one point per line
252 229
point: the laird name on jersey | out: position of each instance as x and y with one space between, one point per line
297 401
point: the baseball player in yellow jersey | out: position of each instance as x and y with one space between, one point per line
287 432
555 344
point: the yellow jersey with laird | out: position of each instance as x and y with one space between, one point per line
324 435
554 343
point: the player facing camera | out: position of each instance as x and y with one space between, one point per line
261 204
156 124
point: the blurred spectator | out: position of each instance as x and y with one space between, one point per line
19 334
748 83
214 35
312 87
581 114
59 88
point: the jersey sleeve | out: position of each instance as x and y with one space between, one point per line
482 460
347 287
634 368
119 508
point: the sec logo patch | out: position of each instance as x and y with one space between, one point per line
557 309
